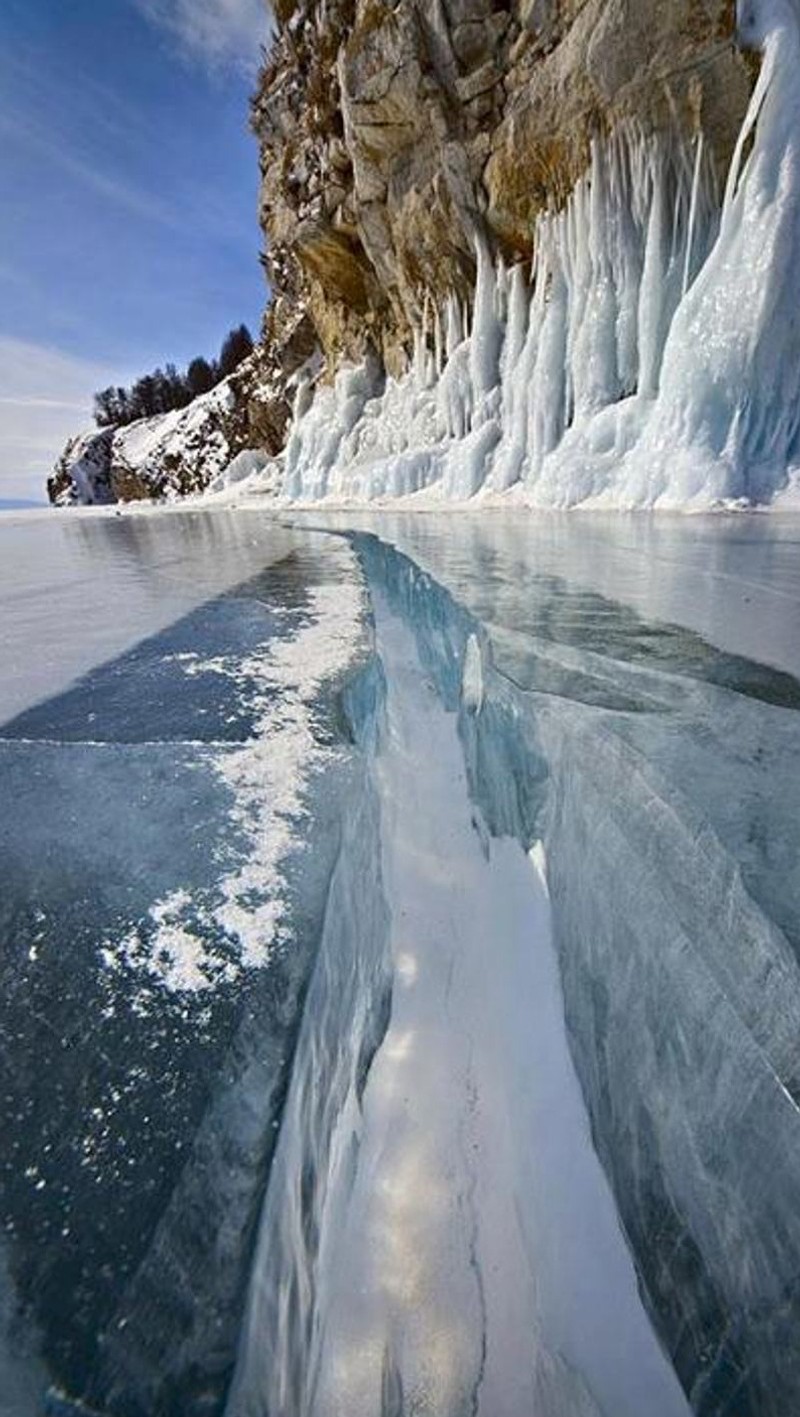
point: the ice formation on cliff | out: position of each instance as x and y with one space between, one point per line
652 358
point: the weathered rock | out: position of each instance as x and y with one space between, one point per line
82 473
428 123
393 133
267 385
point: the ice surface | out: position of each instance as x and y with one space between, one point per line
464 1254
661 775
531 1140
23 1378
170 824
80 589
734 581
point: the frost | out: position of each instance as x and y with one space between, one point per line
169 951
187 948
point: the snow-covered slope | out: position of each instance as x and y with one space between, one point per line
165 456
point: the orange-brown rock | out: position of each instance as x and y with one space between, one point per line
391 133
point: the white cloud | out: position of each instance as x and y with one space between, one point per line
216 33
45 397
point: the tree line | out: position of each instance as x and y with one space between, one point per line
169 388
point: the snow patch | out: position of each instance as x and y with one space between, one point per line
184 947
167 951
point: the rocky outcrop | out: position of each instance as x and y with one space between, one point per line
167 456
392 134
175 454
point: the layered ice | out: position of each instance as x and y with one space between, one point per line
650 357
659 774
438 1235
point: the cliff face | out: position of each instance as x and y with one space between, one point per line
391 135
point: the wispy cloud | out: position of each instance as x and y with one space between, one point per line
45 397
125 194
44 78
216 33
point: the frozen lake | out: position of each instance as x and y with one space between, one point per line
167 724
400 923
75 591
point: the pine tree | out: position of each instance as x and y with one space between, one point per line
235 347
200 377
166 389
104 408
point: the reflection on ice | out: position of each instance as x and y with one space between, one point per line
467 1257
509 1121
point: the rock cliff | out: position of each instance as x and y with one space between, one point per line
391 137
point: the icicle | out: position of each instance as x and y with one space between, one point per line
517 320
690 235
753 111
486 331
626 258
651 297
727 421
423 362
595 374
418 358
548 412
455 325
501 291
438 343
517 366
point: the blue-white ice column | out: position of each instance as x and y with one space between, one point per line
650 356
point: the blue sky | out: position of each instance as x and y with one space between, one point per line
128 184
